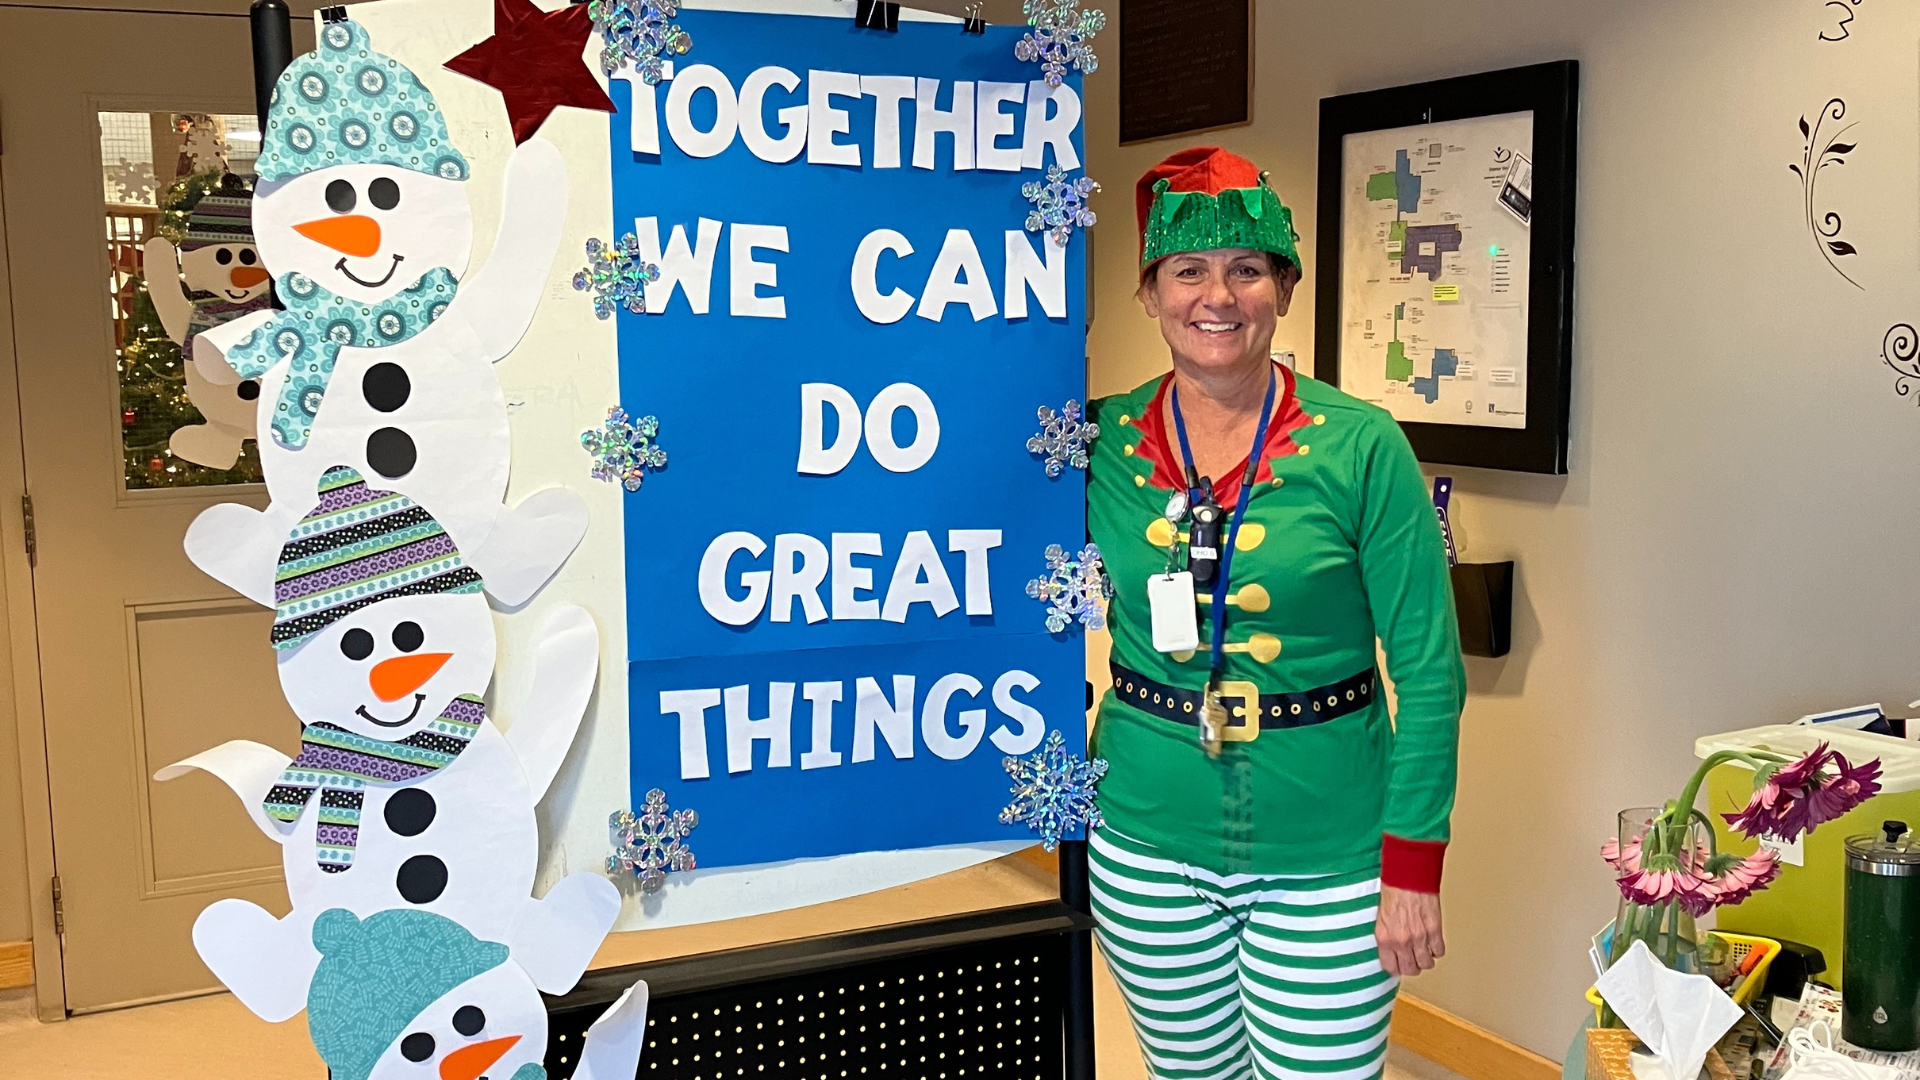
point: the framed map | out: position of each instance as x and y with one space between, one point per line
1445 261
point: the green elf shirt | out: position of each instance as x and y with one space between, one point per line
1340 545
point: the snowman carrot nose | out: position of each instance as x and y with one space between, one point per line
246 277
351 234
396 678
468 1062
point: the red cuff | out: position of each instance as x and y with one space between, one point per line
1413 865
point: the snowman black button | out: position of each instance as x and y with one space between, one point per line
386 386
421 879
410 811
391 453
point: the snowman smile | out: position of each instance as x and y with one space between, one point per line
236 294
363 283
403 721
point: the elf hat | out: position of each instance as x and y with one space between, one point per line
359 547
222 216
344 104
377 974
1203 199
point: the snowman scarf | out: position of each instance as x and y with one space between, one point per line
313 329
211 309
339 764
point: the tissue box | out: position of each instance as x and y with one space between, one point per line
1607 1050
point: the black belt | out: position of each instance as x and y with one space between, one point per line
1299 709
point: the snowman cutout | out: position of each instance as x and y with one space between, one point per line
383 359
402 995
405 794
219 267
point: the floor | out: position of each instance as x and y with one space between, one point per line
213 1038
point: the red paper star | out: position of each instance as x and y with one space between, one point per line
534 60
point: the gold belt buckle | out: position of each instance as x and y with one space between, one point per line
1248 729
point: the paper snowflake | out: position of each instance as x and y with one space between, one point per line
624 450
1063 438
1059 38
1059 205
1073 589
638 32
1053 791
617 276
652 845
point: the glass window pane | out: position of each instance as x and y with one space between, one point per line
176 189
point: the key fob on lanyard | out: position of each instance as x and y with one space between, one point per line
1203 541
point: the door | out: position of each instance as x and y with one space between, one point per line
114 123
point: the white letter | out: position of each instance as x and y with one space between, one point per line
802 581
777 728
726 111
692 271
933 718
713 579
1032 724
994 123
692 705
943 283
816 458
747 274
1055 131
926 435
895 721
1049 279
887 92
753 117
917 558
824 121
976 543
849 579
881 308
824 696
929 121
643 128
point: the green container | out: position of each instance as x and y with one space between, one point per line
1881 985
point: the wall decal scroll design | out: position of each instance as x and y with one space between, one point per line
1900 350
1842 12
1824 149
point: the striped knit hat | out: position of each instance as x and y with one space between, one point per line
219 219
359 547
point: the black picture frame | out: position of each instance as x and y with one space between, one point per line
1551 91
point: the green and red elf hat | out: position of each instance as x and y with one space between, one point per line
1203 199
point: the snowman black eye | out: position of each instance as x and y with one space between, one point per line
247 257
408 636
357 644
469 1020
417 1046
223 256
384 193
340 196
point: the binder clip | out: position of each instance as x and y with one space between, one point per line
973 24
333 14
870 15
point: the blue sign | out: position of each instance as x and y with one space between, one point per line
830 644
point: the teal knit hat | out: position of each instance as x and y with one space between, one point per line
344 104
377 974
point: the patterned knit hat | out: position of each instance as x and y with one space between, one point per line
1203 199
377 974
344 104
359 547
222 216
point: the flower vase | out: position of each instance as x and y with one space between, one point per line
1666 924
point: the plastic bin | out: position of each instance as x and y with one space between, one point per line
1739 945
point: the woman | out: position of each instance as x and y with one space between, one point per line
1262 881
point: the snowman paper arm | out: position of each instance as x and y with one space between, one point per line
165 288
612 1048
546 719
497 301
210 346
248 768
267 963
554 938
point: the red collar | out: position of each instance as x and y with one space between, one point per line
1156 443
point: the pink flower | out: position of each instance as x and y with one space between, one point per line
1624 861
1744 877
1804 794
1661 878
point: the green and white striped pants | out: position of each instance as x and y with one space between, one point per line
1238 975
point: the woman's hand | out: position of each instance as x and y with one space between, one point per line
1409 931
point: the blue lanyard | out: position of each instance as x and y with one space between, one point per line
1219 614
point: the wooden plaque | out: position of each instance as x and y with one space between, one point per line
1185 66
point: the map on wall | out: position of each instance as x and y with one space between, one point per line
1434 265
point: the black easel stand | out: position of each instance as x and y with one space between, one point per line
272 51
1077 1016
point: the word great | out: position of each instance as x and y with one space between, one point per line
801 564
872 713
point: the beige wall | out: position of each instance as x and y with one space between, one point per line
1736 542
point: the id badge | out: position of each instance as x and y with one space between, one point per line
1176 622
